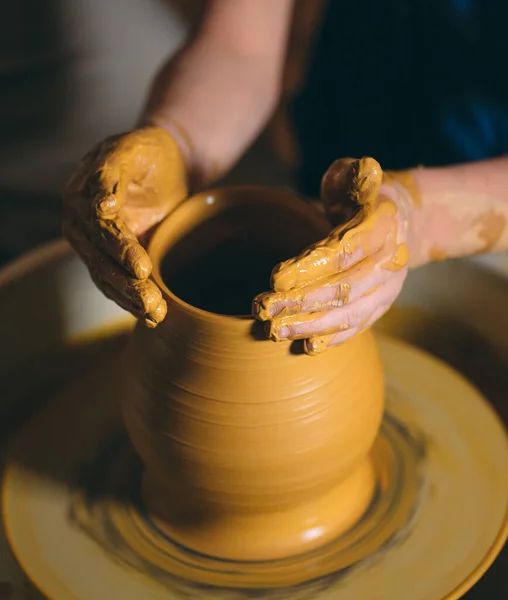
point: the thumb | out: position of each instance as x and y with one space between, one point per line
348 186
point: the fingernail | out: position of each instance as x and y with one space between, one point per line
284 332
261 307
150 323
284 276
161 311
315 346
278 333
156 316
107 205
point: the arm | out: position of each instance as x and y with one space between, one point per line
387 222
206 106
216 95
460 211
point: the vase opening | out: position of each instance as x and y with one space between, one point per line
238 236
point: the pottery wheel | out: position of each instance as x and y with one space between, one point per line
78 528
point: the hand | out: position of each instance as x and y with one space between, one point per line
343 284
121 190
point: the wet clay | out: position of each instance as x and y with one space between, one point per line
491 228
121 190
463 214
437 254
350 192
407 181
369 236
252 450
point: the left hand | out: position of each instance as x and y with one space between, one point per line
122 189
344 283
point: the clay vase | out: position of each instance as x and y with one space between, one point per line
252 450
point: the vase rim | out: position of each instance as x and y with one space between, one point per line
162 240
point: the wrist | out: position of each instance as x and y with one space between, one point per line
179 135
463 210
407 197
215 102
425 229
182 138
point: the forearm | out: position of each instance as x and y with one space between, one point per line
460 211
218 93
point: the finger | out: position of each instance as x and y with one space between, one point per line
340 251
87 188
325 293
132 293
105 186
335 320
122 245
111 234
306 325
348 186
318 345
349 191
320 260
142 298
106 189
96 181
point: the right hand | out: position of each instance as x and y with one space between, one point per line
341 285
123 188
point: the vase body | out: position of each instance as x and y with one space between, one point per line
252 450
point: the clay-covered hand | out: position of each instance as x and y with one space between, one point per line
344 283
121 190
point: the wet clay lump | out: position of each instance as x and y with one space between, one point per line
252 449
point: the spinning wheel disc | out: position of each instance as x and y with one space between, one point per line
437 522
